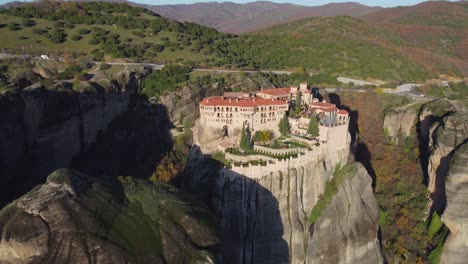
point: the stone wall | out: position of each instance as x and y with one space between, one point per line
328 149
245 159
273 151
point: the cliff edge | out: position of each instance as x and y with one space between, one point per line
76 217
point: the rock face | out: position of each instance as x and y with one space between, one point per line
267 220
398 123
74 217
346 233
45 129
455 215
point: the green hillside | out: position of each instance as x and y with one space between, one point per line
340 45
104 29
333 46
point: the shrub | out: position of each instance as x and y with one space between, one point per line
57 36
68 25
13 27
69 72
76 37
83 76
58 24
39 31
435 225
84 31
263 136
104 67
27 22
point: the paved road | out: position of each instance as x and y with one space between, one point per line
152 65
346 80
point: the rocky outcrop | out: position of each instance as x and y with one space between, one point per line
346 232
73 217
45 129
455 215
267 220
399 123
442 130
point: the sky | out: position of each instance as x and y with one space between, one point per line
382 3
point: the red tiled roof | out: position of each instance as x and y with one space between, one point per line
322 105
332 109
343 112
276 91
241 102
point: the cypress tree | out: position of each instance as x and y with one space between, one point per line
313 128
244 142
298 99
284 126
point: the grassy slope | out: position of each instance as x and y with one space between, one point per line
12 40
182 42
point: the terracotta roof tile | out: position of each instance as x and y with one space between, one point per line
322 105
241 102
276 91
343 112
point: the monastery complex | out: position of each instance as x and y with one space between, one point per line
262 111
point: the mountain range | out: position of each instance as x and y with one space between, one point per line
240 18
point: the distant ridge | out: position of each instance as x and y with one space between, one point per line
240 18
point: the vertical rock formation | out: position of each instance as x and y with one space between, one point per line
346 233
399 123
455 215
45 129
266 220
442 131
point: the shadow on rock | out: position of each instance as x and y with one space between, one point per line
133 144
251 227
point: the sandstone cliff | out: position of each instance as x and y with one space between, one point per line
267 220
455 215
399 122
45 129
346 232
441 128
73 217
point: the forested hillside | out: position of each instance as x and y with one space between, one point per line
104 29
398 47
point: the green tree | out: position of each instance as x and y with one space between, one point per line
263 136
244 142
284 127
57 36
298 99
27 22
313 128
